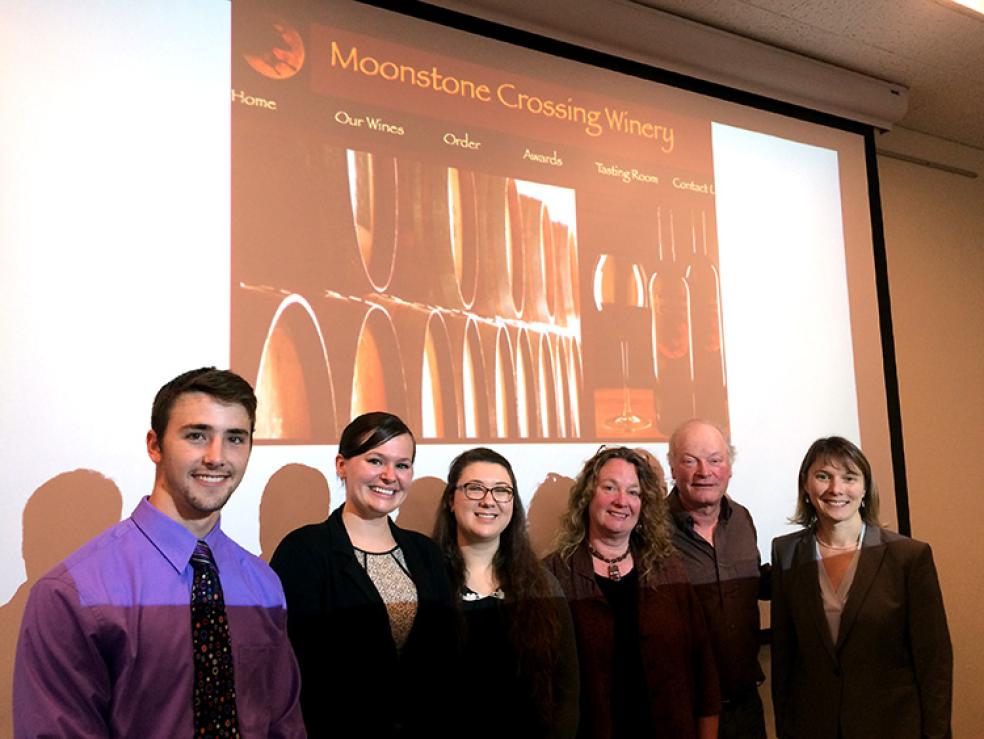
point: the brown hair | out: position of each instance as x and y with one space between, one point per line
223 385
533 625
840 451
370 430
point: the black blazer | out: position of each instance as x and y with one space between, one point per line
354 682
890 674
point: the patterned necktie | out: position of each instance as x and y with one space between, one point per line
215 689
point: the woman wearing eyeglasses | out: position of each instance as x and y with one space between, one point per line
369 606
646 663
519 660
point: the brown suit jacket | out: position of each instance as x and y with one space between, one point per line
890 672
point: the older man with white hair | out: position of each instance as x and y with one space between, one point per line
716 539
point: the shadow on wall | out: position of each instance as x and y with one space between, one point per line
295 496
59 517
546 509
419 510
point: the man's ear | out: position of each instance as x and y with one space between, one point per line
153 447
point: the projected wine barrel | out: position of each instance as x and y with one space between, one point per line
574 382
501 268
428 270
500 378
438 403
546 390
566 387
428 368
296 398
538 248
377 377
372 196
253 309
470 361
324 220
365 357
526 401
293 225
568 309
557 390
506 406
463 224
515 251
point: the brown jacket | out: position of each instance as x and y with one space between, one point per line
681 679
890 673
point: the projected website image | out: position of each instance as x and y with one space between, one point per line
459 300
488 270
448 296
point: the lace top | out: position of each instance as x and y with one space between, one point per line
388 572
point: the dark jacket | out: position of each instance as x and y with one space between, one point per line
678 665
890 672
354 682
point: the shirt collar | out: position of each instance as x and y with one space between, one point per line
172 539
682 515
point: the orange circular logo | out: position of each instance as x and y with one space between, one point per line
275 49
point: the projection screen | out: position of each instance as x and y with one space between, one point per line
358 209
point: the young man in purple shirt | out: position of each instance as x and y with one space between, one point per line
106 645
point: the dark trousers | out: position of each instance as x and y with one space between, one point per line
742 717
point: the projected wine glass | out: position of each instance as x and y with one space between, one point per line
619 288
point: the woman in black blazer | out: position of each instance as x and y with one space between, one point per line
369 607
860 645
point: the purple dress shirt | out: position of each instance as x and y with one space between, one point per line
105 644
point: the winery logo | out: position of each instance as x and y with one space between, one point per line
273 48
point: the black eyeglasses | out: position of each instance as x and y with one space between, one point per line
477 491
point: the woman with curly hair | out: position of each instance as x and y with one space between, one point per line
518 641
646 663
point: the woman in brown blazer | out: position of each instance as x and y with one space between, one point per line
647 669
860 645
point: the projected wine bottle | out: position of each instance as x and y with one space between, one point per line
710 380
670 300
619 293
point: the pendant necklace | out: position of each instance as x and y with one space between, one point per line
613 573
